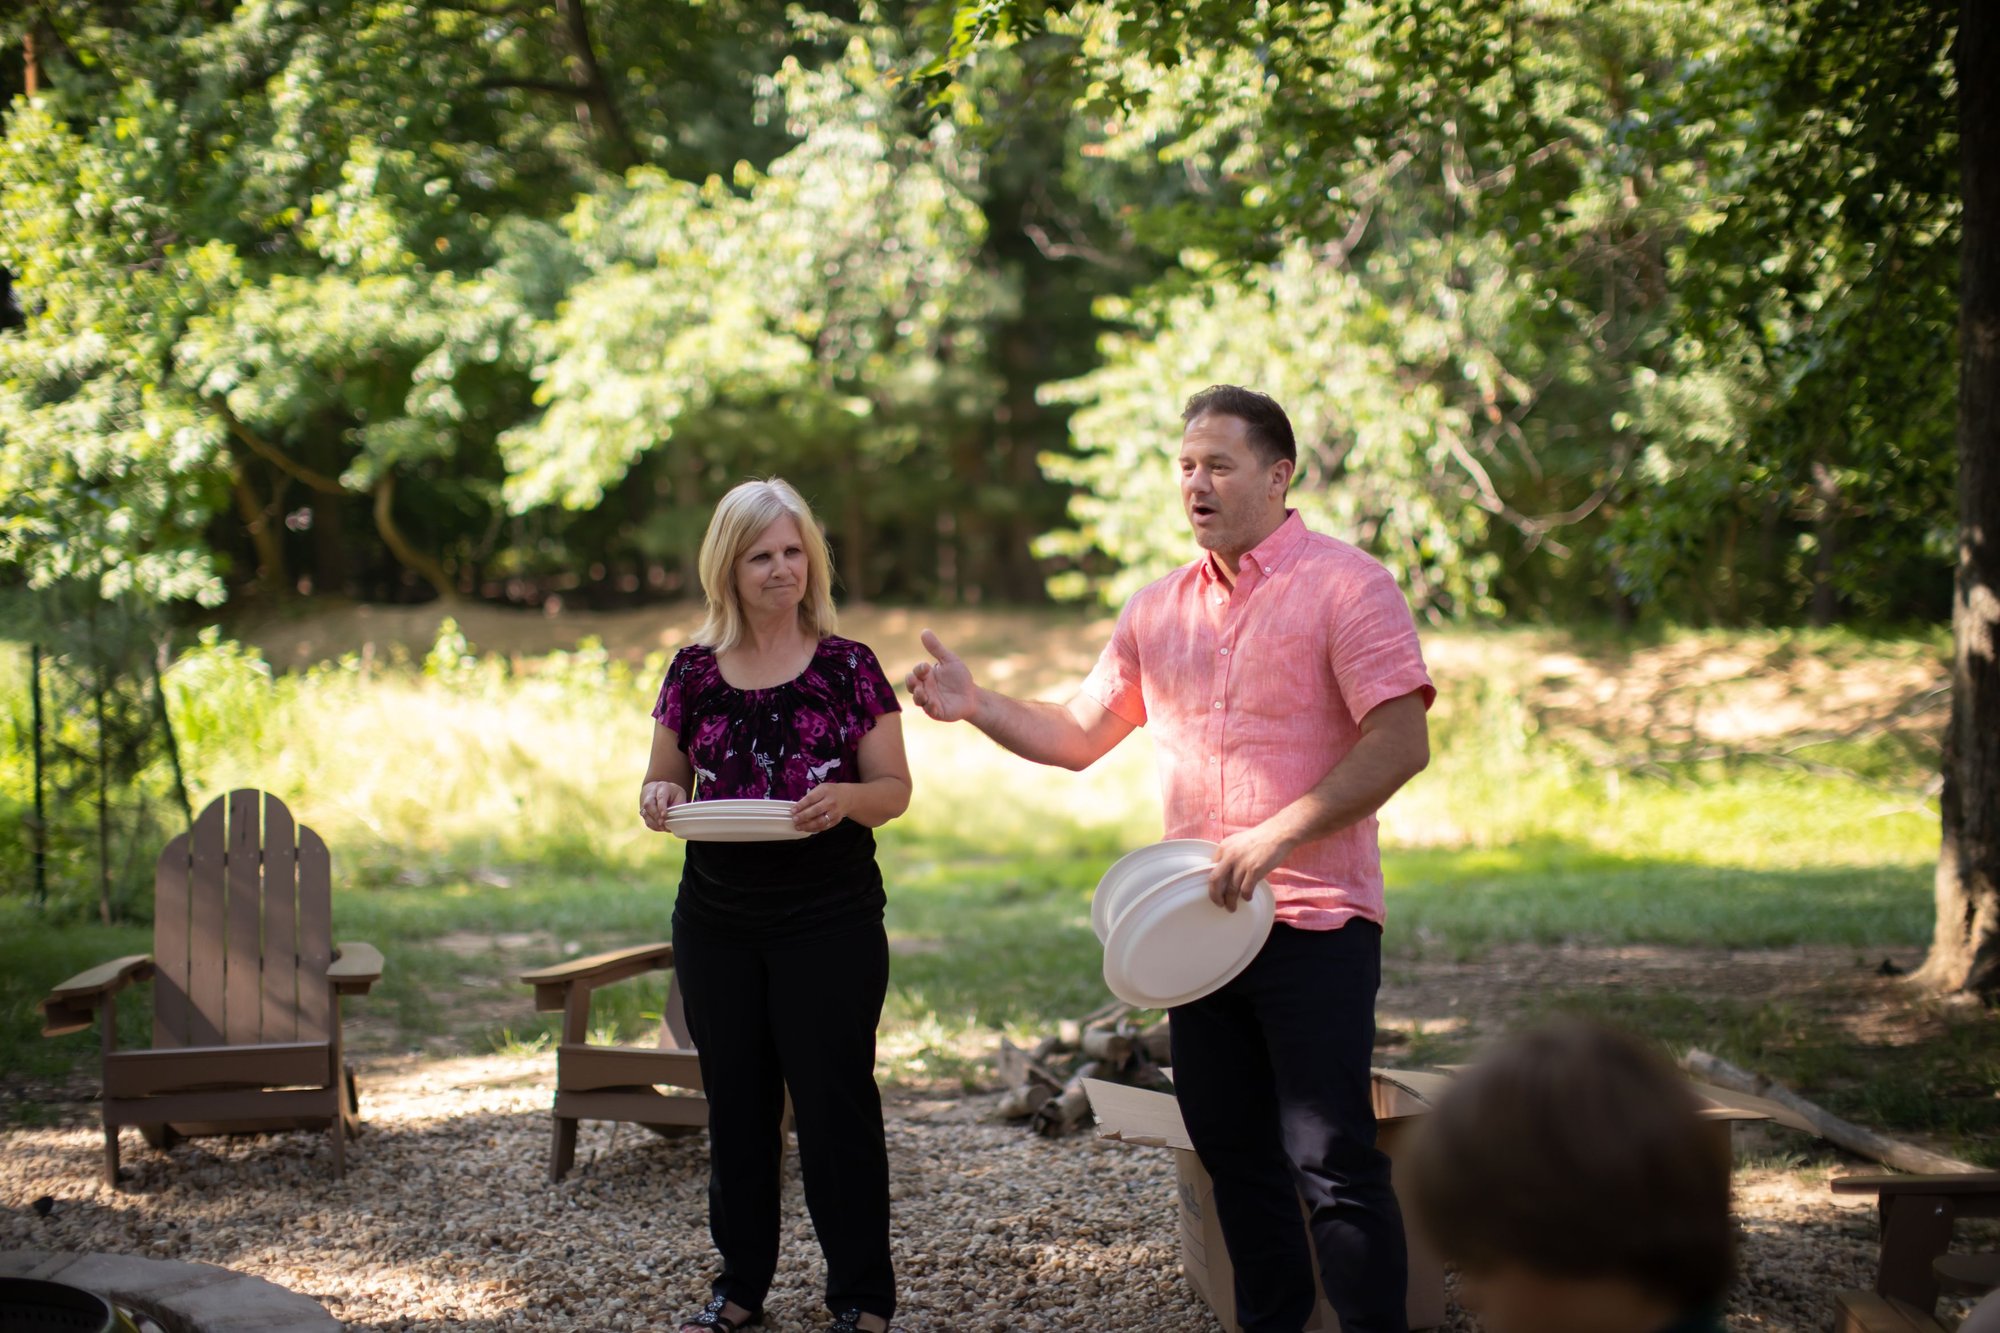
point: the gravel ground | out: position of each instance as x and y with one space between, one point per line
447 1219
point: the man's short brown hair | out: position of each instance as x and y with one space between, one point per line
1575 1151
1267 427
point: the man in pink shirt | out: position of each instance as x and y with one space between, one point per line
1281 677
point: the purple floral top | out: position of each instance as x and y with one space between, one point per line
777 743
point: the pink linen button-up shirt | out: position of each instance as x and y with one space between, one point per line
1253 693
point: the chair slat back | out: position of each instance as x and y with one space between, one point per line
280 990
315 937
208 893
242 969
170 941
242 928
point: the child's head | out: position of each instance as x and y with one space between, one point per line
1570 1179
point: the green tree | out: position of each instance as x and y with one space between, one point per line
825 316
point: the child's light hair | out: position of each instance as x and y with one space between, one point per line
739 520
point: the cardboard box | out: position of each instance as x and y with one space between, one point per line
1153 1119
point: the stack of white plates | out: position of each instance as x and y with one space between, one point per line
733 821
1165 942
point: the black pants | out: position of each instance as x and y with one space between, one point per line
1272 1076
799 1015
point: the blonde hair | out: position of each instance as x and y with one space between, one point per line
739 520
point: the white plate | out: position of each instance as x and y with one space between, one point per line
696 812
761 831
688 821
1172 946
745 805
1136 870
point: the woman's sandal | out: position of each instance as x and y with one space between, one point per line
711 1316
848 1321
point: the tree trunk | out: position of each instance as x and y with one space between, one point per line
41 828
1965 952
101 687
399 546
167 730
595 99
330 565
256 516
33 73
1826 503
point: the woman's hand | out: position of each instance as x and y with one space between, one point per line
823 807
655 799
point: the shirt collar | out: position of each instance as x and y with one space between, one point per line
1266 555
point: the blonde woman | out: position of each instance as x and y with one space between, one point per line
779 945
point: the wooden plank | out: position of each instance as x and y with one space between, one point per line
1867 1312
581 1068
243 974
1957 1182
62 1017
170 943
280 988
105 976
1916 1229
315 937
356 967
290 1065
653 955
643 1107
206 896
252 1105
1853 1137
196 1129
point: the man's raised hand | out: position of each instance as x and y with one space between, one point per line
942 687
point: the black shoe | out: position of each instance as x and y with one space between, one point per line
848 1321
711 1316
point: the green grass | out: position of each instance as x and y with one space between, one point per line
1935 1080
1459 903
482 822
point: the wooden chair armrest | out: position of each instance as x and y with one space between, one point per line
602 969
71 1006
1968 1182
355 967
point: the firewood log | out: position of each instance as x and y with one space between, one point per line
1061 1113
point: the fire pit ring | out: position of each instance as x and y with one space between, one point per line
36 1305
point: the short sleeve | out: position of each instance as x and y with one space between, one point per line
1374 648
1115 682
873 694
670 710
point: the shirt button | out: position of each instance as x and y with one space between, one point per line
1218 703
1214 760
1225 652
1211 814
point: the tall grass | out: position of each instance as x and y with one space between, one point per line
467 796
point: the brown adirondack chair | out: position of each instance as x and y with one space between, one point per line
617 1082
1917 1217
246 989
